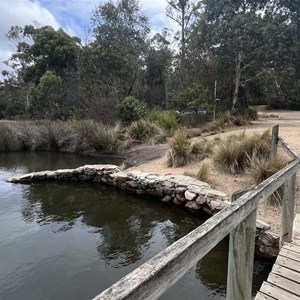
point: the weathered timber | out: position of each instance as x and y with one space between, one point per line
241 257
289 285
290 254
276 292
296 229
287 217
154 277
274 142
287 263
261 296
291 153
287 273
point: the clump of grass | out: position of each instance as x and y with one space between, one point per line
262 168
179 154
234 154
204 170
202 149
146 131
9 139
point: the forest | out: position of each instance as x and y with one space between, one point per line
226 55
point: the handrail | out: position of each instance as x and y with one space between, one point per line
154 277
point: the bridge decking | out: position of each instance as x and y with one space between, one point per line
283 282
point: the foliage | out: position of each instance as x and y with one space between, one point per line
179 154
130 110
146 131
192 96
294 101
167 119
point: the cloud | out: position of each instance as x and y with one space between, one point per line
21 12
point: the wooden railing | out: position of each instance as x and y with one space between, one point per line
154 277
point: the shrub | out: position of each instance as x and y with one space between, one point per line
262 168
167 119
145 131
130 110
9 140
179 153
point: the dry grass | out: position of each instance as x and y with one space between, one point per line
234 154
262 168
203 149
204 170
179 154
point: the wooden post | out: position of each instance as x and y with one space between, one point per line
288 205
274 144
241 257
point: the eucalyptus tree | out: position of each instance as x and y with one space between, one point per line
38 51
232 30
109 65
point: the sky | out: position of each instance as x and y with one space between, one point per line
72 15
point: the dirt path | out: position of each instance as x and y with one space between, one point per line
289 122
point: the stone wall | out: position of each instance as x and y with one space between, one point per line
178 190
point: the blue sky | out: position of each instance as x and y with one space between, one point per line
72 15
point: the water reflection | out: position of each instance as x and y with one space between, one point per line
125 225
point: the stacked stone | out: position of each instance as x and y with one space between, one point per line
174 189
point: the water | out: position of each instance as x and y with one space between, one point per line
73 240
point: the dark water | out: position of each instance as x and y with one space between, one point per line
71 241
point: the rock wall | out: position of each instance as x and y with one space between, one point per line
178 190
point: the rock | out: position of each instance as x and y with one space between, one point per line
131 184
201 200
189 196
261 226
84 177
267 244
207 210
192 205
215 205
179 201
167 199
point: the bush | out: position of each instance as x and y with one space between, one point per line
130 110
249 113
145 131
167 119
202 149
179 154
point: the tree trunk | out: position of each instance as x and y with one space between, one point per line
237 80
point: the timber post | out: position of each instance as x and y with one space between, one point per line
274 143
241 256
287 217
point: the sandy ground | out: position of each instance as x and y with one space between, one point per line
289 130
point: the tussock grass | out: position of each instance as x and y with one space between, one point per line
204 170
234 154
72 136
202 149
262 168
146 131
179 154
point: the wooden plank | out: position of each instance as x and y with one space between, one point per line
290 254
274 142
241 257
287 216
261 296
292 247
284 283
296 229
288 263
154 277
285 272
276 292
290 152
296 241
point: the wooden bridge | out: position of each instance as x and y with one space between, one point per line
284 280
154 277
